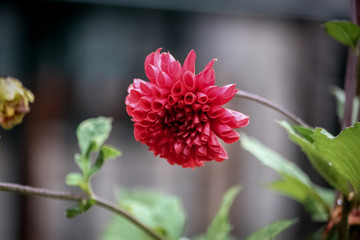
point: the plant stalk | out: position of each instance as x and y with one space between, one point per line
68 196
344 223
270 104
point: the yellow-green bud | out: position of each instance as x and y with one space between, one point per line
14 102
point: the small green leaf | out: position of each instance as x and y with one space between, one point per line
92 133
106 153
272 230
73 212
220 226
345 32
74 179
80 208
162 213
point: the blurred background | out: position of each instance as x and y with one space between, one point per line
78 57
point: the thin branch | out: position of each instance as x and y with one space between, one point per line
112 207
42 192
270 104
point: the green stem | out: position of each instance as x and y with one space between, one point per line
68 196
344 223
270 104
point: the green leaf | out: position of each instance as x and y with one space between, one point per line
340 103
345 32
321 164
92 133
343 153
79 160
74 179
162 213
337 159
295 183
203 237
220 226
106 153
270 231
272 159
80 208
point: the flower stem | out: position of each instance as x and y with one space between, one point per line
270 104
32 191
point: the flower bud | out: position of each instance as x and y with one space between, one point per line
14 102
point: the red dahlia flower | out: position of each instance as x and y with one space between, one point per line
179 115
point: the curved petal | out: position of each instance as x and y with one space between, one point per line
189 63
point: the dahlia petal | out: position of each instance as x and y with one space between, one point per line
211 63
226 93
151 72
189 98
129 110
201 98
152 117
158 105
181 104
188 141
136 83
146 87
205 78
221 156
157 61
202 151
197 140
231 137
149 60
240 119
163 80
205 108
139 133
138 115
179 147
209 77
214 143
203 116
145 103
129 88
192 164
215 111
225 132
196 106
189 63
160 92
206 129
161 113
173 99
166 58
212 92
187 151
135 94
196 119
189 81
177 89
227 116
144 123
175 70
